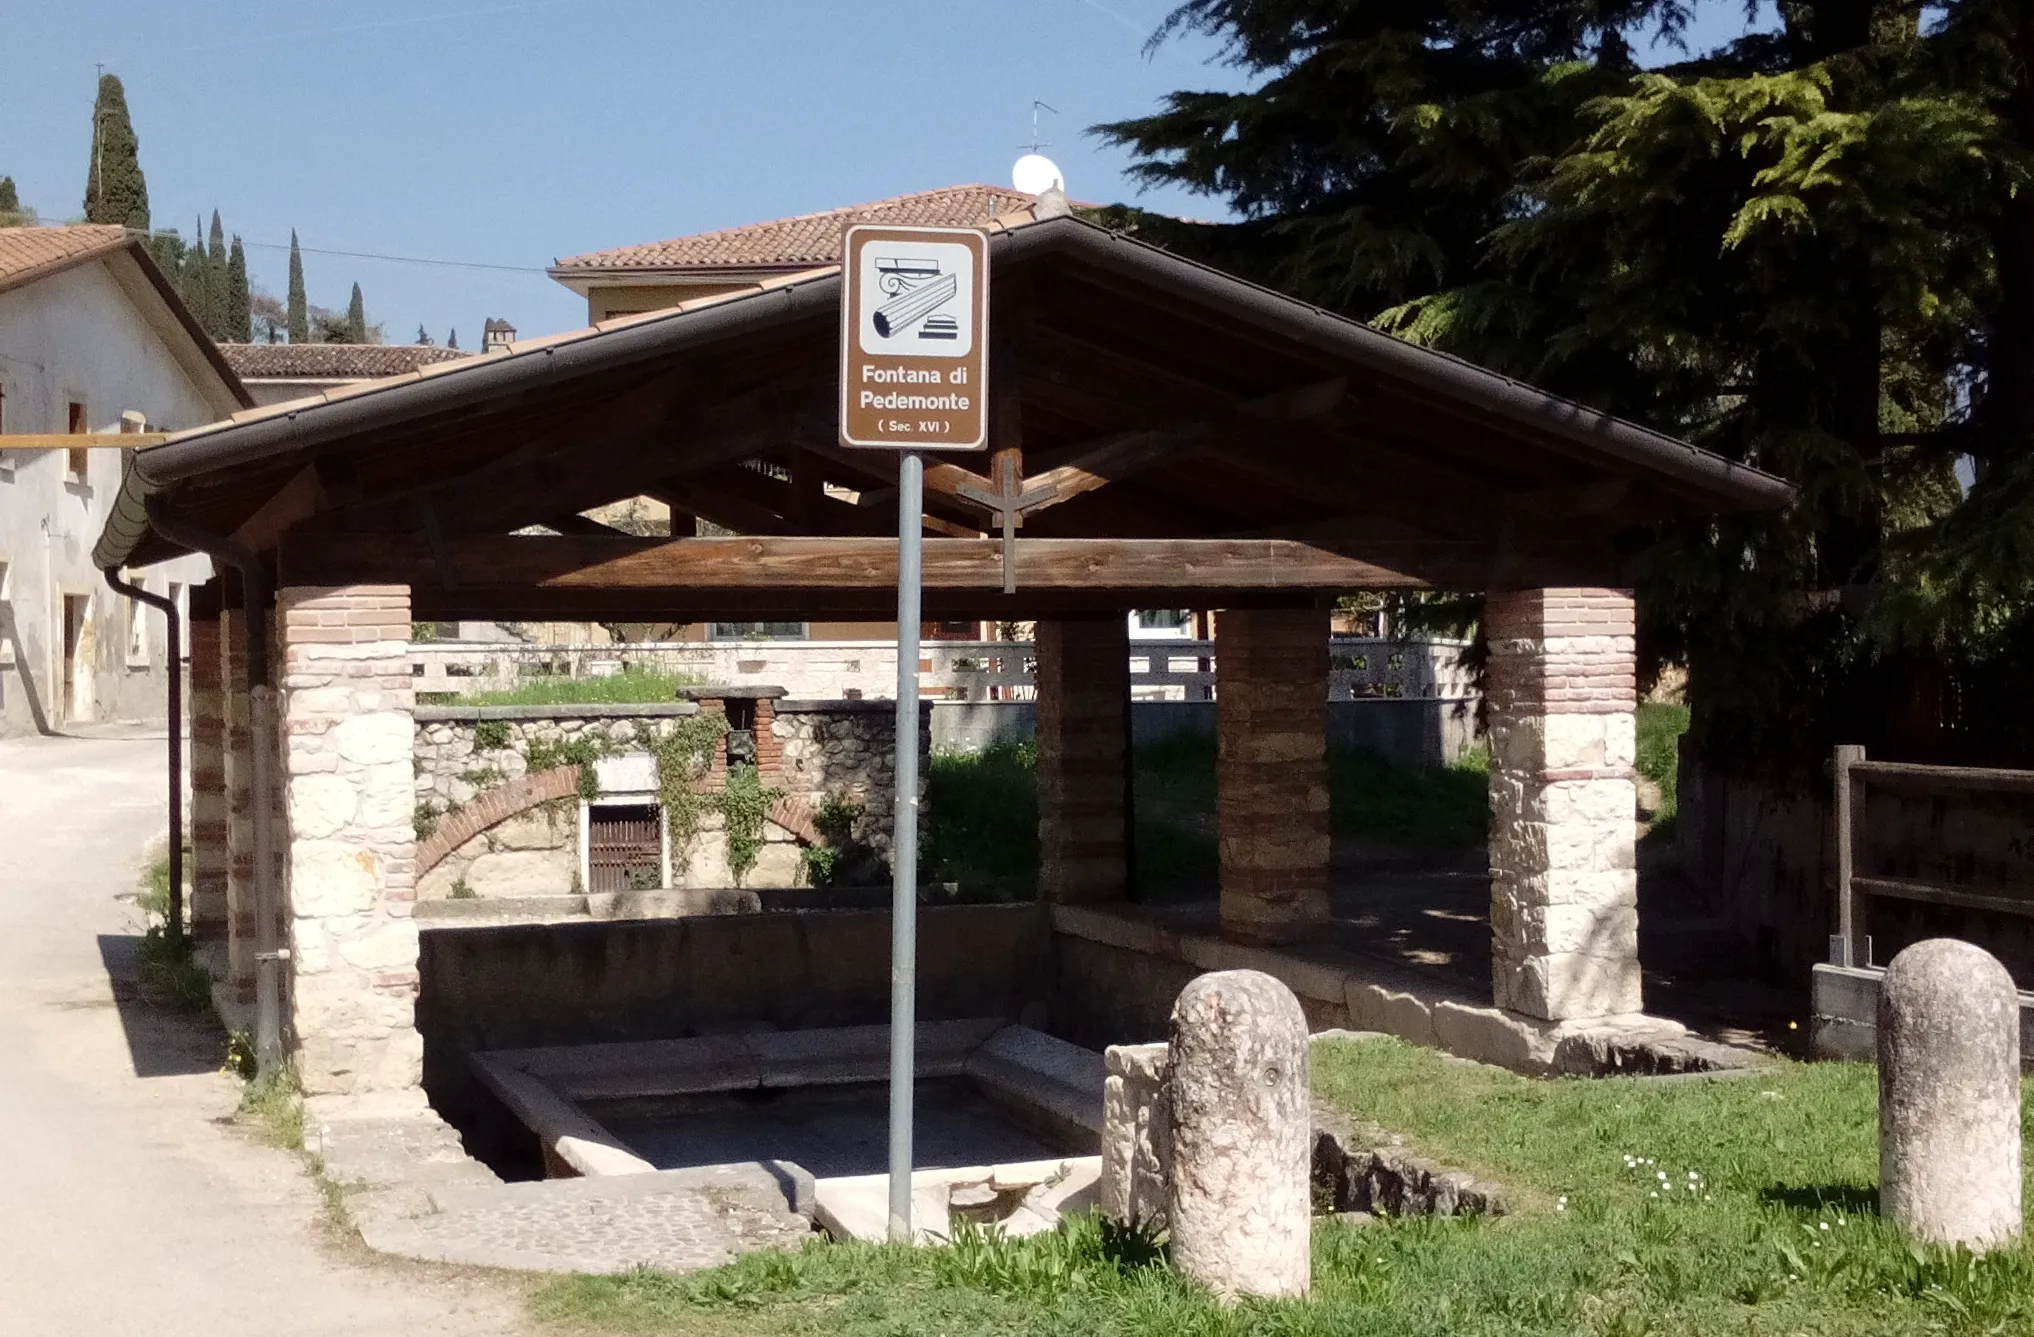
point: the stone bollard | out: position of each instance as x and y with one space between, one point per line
1949 1095
1136 1134
1240 1206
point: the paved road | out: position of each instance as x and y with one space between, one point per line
129 1201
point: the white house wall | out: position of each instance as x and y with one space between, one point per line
77 336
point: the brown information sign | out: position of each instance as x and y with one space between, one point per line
914 338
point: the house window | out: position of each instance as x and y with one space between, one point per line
756 631
77 460
625 847
1161 624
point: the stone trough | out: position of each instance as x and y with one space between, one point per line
1009 1118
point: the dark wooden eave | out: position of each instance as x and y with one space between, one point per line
1153 403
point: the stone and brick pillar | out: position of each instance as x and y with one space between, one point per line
209 858
1083 734
1271 771
347 740
236 725
1563 887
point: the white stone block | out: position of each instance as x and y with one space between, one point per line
1240 1208
387 796
368 740
1568 986
390 944
523 873
331 877
1949 1095
320 806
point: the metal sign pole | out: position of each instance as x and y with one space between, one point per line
904 844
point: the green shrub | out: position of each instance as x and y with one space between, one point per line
627 688
490 735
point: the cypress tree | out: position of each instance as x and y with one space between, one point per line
356 318
299 316
10 203
423 337
452 340
216 246
115 190
199 283
239 323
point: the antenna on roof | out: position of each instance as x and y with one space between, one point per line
1035 173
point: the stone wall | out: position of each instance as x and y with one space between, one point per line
1563 833
846 750
815 751
346 737
557 984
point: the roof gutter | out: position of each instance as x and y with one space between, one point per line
1442 373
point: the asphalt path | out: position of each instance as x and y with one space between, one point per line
131 1199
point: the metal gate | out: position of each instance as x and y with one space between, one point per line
624 847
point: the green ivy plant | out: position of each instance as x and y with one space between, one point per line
744 807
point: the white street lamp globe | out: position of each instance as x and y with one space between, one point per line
1035 174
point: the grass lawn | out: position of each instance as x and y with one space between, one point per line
1778 1234
1660 727
630 687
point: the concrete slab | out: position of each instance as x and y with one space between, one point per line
676 1222
1033 1070
858 1207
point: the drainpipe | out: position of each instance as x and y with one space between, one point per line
268 953
176 744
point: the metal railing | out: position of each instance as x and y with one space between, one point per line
1360 668
1851 773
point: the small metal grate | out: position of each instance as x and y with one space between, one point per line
625 847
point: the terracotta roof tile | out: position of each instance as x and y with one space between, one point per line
807 240
26 251
332 362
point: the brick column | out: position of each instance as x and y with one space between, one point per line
209 857
1083 737
238 779
1563 890
348 739
1271 771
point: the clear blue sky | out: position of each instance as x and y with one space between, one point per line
511 132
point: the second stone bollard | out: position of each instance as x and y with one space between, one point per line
1239 1205
1949 1095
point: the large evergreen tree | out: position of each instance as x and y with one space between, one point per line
201 281
11 212
239 307
115 190
1811 249
299 316
356 318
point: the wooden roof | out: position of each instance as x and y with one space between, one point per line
1154 401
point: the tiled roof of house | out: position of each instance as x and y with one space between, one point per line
332 362
27 253
804 241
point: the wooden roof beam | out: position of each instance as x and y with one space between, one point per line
1197 569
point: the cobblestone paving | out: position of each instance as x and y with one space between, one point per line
669 1221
